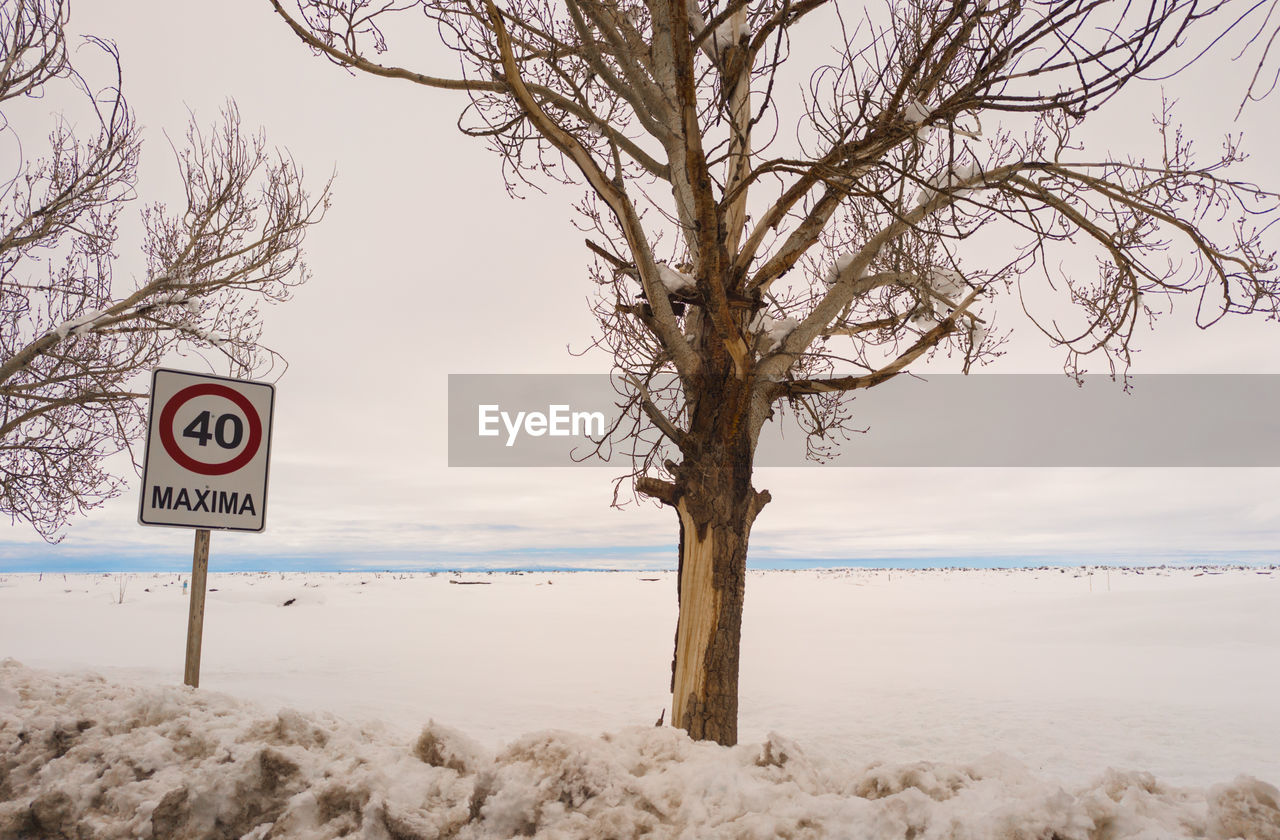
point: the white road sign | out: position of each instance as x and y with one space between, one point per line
208 447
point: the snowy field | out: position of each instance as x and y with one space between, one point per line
957 704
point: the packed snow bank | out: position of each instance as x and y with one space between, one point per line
82 757
1171 671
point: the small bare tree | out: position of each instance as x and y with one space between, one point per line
758 251
73 338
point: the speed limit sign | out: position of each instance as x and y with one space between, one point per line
208 446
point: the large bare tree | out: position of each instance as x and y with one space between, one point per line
73 337
792 200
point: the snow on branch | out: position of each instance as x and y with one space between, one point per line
772 331
917 114
947 282
675 282
958 180
725 35
78 326
839 267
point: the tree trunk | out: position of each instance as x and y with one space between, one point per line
716 506
705 680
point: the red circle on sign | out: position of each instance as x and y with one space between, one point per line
209 389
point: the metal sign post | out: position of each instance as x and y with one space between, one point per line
207 453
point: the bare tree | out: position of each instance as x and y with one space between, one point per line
759 253
73 338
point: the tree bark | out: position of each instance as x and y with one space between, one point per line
705 683
716 507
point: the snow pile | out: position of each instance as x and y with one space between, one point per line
676 282
773 331
80 757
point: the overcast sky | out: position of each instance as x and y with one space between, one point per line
426 267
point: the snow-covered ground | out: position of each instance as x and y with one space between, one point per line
924 704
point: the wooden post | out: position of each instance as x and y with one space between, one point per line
195 615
